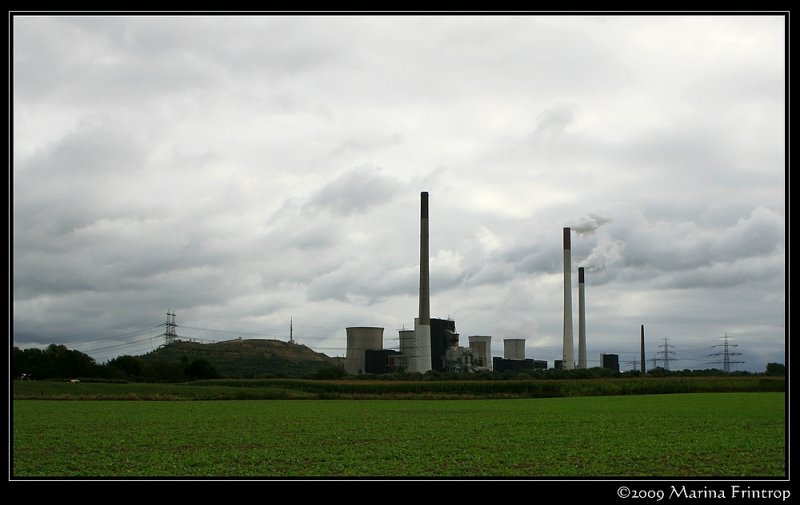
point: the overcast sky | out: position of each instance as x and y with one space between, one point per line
243 171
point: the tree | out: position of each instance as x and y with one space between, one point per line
163 371
29 361
64 363
130 366
55 362
200 369
776 369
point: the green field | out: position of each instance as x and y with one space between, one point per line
270 389
698 434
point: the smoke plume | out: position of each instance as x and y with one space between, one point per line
589 224
606 252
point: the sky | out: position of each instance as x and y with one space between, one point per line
248 171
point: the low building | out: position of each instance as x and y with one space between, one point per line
610 361
506 365
380 361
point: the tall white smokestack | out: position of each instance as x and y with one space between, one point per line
422 325
568 356
581 321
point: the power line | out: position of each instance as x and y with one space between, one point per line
119 336
230 332
124 344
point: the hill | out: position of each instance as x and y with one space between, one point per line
250 358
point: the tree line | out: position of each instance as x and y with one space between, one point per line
333 373
58 362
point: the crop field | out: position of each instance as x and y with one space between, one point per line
697 434
272 389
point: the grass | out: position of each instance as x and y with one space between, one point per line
701 434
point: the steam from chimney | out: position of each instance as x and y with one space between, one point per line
606 252
589 224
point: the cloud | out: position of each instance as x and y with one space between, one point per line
355 192
488 240
554 120
680 245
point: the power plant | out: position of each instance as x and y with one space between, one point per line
433 344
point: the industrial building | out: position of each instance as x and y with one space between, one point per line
365 352
514 357
610 361
460 359
380 361
443 338
508 365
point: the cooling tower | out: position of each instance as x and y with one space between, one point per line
568 356
422 324
482 347
581 321
359 339
408 351
514 348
